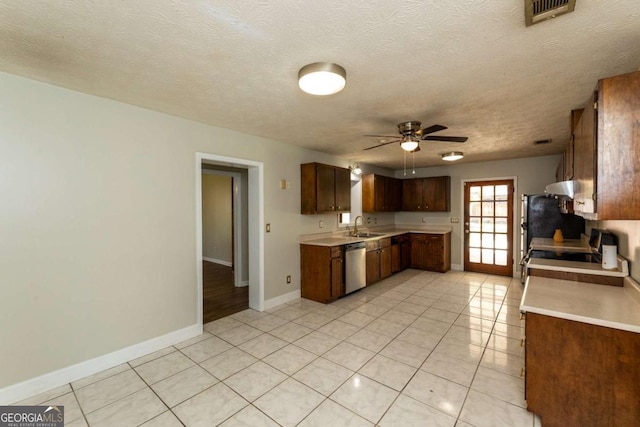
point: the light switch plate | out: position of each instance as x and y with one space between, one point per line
455 219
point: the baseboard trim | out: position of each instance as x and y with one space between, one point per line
217 261
243 284
457 267
37 385
282 299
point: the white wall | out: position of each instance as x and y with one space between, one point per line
532 174
628 233
97 223
217 219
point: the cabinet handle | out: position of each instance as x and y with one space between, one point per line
522 372
521 342
522 316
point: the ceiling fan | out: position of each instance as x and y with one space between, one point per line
412 133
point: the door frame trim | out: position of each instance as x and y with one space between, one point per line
256 225
514 226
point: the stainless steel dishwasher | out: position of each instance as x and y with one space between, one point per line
355 266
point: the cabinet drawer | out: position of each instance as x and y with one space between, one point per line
372 245
383 243
336 251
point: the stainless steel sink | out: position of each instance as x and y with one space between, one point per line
367 234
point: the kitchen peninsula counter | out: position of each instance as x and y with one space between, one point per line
615 307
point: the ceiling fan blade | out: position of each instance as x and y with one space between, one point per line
382 145
383 136
446 138
430 129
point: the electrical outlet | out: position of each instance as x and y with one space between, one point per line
321 224
455 220
368 220
289 279
375 220
268 227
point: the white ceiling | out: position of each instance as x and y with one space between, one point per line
470 65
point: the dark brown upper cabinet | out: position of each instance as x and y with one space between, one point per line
324 189
431 194
381 193
606 151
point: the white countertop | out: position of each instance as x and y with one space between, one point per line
568 245
610 306
341 238
580 267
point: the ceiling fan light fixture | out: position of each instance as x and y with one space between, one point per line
322 78
356 169
452 156
409 144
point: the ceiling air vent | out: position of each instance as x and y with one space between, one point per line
540 10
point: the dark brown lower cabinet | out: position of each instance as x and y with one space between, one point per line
581 375
379 260
321 272
431 252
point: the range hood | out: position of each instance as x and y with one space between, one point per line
561 189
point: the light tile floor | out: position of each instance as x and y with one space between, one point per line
417 349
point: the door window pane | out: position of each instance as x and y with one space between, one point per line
474 239
501 258
487 240
501 225
501 241
487 192
501 192
501 209
474 193
487 256
474 255
474 224
474 209
487 224
487 208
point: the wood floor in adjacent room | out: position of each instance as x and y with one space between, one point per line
220 297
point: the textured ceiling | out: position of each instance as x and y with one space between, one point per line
470 65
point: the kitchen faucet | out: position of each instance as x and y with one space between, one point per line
355 225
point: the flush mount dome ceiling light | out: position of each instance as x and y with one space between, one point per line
322 78
452 156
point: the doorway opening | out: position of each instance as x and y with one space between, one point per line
488 226
248 251
224 241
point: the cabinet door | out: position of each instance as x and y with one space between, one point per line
396 263
434 250
435 194
393 194
325 188
379 193
343 190
411 194
418 251
373 266
584 160
405 255
385 262
337 278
